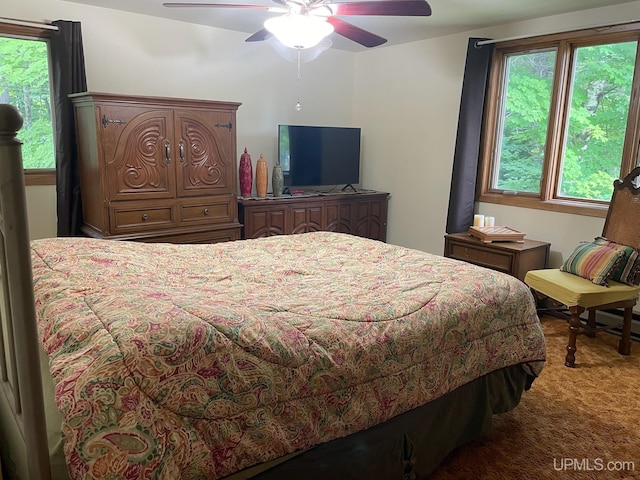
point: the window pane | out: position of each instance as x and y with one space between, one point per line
24 83
601 90
522 134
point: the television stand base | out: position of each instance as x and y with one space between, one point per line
363 214
348 185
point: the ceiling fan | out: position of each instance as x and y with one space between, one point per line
305 23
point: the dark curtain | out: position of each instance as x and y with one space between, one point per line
67 59
466 157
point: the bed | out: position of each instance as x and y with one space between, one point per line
317 355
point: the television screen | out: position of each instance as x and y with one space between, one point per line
311 155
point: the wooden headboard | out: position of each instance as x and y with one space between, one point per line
22 418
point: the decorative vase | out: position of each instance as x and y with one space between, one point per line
246 174
277 180
261 177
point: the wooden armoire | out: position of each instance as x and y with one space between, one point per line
157 169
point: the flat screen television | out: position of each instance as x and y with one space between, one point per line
319 156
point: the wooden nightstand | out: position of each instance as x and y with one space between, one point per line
510 257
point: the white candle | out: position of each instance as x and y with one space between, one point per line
489 221
478 220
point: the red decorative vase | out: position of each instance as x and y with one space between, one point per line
246 174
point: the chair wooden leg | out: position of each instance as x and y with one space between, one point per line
574 328
624 348
591 324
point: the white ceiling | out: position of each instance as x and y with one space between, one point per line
448 17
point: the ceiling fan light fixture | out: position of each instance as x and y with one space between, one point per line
299 31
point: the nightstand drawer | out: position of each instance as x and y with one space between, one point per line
486 258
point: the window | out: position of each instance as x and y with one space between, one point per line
25 83
561 122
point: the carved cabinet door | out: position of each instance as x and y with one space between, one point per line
136 148
370 221
203 142
338 217
265 222
306 218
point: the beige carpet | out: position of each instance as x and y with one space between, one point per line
581 423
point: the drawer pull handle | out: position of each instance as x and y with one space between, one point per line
181 148
206 211
145 217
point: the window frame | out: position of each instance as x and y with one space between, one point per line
40 176
565 44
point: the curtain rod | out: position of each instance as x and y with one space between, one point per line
499 40
24 23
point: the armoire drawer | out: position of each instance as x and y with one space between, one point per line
207 211
127 219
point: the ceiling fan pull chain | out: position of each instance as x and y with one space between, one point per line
298 104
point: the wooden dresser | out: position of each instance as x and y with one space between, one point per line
510 257
157 169
363 214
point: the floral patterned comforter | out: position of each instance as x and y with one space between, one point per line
196 361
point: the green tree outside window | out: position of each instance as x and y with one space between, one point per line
24 83
594 131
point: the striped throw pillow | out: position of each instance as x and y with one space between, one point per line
628 270
593 262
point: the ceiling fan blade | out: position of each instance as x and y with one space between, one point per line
260 35
226 5
356 34
408 8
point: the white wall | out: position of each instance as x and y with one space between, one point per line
407 101
41 205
